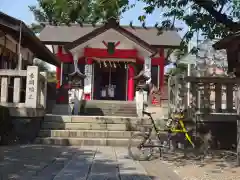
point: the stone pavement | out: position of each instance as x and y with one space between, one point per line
38 162
222 165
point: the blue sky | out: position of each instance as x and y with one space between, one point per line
19 9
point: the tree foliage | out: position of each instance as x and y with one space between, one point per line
178 69
55 12
212 18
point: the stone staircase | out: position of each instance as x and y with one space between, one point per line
103 123
109 108
89 130
100 108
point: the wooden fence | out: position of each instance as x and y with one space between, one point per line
23 89
208 95
211 99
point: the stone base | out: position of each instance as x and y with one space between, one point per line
26 129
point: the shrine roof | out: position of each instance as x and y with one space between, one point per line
65 34
224 43
13 27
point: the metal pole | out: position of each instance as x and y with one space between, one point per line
19 48
188 67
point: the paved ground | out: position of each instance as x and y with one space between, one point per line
36 162
219 166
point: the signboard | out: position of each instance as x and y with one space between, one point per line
88 79
147 66
32 86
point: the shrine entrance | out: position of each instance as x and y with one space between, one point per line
110 81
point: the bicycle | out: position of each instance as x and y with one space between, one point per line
174 125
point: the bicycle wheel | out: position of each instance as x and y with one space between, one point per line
137 142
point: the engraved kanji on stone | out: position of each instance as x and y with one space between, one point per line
31 89
31 75
31 82
30 96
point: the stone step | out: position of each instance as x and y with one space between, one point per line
88 126
71 141
90 134
96 119
85 134
117 108
109 112
100 110
83 141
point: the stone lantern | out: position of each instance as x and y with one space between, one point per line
141 92
76 82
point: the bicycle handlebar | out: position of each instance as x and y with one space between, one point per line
148 113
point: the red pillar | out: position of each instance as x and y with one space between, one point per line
161 67
161 72
131 74
58 69
87 96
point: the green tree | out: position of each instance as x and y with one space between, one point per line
212 18
41 65
57 12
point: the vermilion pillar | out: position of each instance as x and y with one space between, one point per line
58 69
130 86
161 67
161 72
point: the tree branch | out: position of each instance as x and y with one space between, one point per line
219 17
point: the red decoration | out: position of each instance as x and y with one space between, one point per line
116 44
103 53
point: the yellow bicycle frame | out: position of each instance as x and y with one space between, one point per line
180 118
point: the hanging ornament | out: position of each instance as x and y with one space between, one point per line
105 65
125 65
114 65
110 63
100 65
119 64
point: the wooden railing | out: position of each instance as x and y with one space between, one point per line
208 95
23 88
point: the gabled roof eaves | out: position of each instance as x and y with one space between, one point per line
65 34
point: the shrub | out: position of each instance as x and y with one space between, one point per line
6 126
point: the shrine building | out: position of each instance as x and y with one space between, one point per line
110 55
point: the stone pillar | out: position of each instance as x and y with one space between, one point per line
16 89
32 87
139 103
43 95
78 95
88 80
130 84
4 89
